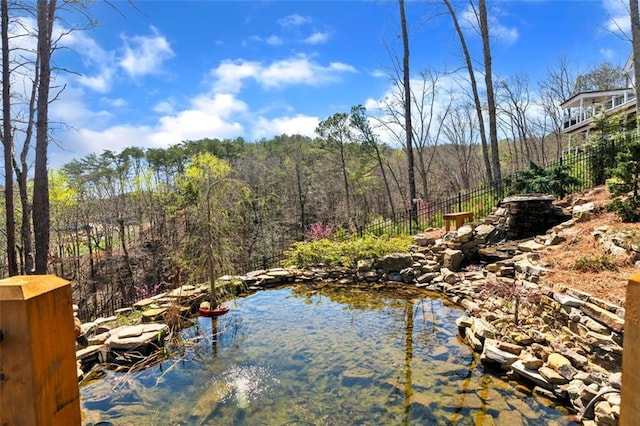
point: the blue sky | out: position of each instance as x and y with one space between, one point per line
178 70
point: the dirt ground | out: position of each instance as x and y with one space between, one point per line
560 260
610 285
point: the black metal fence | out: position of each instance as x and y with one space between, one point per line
102 307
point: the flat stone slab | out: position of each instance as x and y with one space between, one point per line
136 336
527 198
492 354
531 375
566 300
88 352
153 314
607 318
529 246
184 291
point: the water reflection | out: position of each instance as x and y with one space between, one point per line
319 356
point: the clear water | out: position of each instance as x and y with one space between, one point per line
296 356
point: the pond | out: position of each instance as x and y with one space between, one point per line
299 356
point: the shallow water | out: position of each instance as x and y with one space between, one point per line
296 356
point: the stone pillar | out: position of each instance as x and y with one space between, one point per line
38 373
630 395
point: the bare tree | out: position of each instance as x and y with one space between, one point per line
460 132
407 110
7 142
514 107
371 144
488 80
474 89
41 220
336 134
430 114
554 89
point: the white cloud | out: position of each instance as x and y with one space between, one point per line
301 70
618 12
298 124
100 83
118 102
379 74
72 110
208 116
508 35
497 29
274 40
116 138
145 54
294 20
608 54
164 107
317 38
231 73
92 56
298 69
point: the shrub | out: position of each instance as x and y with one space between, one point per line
343 253
321 230
540 180
595 264
628 210
626 178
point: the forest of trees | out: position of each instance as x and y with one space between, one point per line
90 220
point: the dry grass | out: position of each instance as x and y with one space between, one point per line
606 284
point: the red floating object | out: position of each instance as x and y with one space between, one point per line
220 310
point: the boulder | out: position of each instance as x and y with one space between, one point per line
491 354
464 234
482 232
452 259
583 212
395 262
555 361
552 376
531 362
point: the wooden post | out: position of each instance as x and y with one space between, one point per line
38 373
630 395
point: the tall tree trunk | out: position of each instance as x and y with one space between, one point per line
474 89
386 181
345 179
22 176
491 101
407 112
41 219
635 36
7 142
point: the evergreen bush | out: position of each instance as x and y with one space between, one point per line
625 182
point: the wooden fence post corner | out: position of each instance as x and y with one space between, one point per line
630 394
38 373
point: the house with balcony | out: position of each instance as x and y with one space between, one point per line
580 109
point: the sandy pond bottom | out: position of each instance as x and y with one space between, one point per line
296 356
